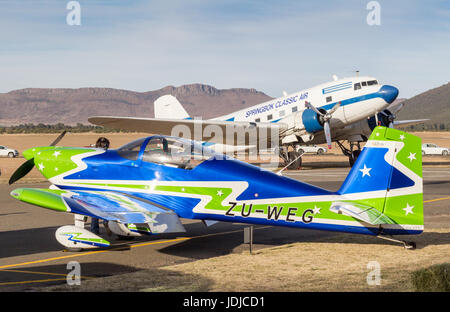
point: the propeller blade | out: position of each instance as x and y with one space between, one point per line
22 171
58 138
334 108
326 129
308 105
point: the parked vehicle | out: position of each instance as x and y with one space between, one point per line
315 149
433 149
8 152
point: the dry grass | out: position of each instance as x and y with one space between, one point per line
338 264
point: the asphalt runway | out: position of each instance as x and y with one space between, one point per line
30 257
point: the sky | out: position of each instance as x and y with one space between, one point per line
272 46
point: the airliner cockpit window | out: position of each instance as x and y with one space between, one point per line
175 152
357 86
372 82
131 150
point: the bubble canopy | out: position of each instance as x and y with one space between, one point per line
168 151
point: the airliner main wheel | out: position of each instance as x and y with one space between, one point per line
295 165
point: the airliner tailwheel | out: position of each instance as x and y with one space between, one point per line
294 161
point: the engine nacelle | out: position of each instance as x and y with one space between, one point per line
312 121
132 230
383 119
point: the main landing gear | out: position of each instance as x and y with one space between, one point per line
351 153
292 157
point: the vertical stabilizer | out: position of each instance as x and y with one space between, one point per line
168 107
388 176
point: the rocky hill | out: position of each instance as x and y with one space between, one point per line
72 106
433 104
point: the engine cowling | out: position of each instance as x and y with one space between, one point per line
312 121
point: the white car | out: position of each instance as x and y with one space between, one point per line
433 149
8 152
312 149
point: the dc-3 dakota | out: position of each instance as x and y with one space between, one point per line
146 186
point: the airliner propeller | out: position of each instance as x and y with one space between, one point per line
324 119
29 164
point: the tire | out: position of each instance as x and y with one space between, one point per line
301 151
423 153
11 155
444 153
296 164
320 151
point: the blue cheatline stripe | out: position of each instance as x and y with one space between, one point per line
335 90
188 118
353 100
230 119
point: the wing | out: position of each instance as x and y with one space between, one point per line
214 131
404 123
110 206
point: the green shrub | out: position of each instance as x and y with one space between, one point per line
434 278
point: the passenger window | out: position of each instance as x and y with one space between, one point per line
357 86
269 117
372 82
329 99
294 109
282 113
364 83
257 119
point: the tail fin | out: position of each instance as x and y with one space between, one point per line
167 106
388 176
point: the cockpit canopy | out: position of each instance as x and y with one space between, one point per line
166 150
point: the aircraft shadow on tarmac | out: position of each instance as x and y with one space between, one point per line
118 278
220 239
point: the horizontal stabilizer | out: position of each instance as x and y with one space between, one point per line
360 212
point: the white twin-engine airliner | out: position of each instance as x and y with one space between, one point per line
345 109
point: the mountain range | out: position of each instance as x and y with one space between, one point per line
72 106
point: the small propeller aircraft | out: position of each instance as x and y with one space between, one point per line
146 186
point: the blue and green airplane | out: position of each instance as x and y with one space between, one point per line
146 186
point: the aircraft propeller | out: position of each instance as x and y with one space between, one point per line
325 118
26 167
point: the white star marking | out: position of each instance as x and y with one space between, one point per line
412 156
378 134
56 153
402 137
316 210
365 171
219 193
408 209
56 169
41 166
182 189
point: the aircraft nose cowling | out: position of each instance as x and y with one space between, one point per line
389 93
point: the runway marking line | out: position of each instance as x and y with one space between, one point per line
436 199
2 268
